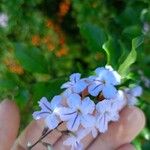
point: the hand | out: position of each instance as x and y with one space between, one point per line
118 137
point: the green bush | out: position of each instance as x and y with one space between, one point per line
43 41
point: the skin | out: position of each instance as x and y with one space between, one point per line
118 137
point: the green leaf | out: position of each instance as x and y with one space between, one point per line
113 51
47 89
6 84
146 146
22 97
136 42
132 31
146 96
31 58
8 81
131 58
94 36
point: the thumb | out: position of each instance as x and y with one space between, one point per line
9 124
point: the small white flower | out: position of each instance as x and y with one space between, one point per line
131 94
119 102
74 141
104 81
48 111
92 129
78 112
3 20
75 85
106 112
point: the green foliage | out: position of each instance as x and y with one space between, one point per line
113 52
44 42
31 58
131 58
94 36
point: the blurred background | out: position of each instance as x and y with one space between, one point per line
43 41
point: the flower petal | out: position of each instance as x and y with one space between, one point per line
87 120
79 86
75 77
94 89
94 132
73 123
51 121
114 116
91 79
45 104
109 91
87 106
119 102
83 133
112 77
74 101
40 114
102 106
132 101
66 85
100 70
55 102
108 67
67 93
65 113
136 91
102 123
69 141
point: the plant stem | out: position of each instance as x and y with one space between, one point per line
42 137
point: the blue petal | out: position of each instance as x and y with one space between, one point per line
79 86
109 91
75 77
102 123
87 120
74 101
66 113
87 106
52 121
66 85
40 114
100 70
94 89
73 123
55 102
45 104
112 77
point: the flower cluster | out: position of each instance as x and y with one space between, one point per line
87 105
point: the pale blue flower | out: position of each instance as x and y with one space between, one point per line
75 141
47 111
90 130
78 112
75 85
104 81
119 101
132 94
106 112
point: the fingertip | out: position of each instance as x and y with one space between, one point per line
131 122
10 105
9 123
132 117
127 147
